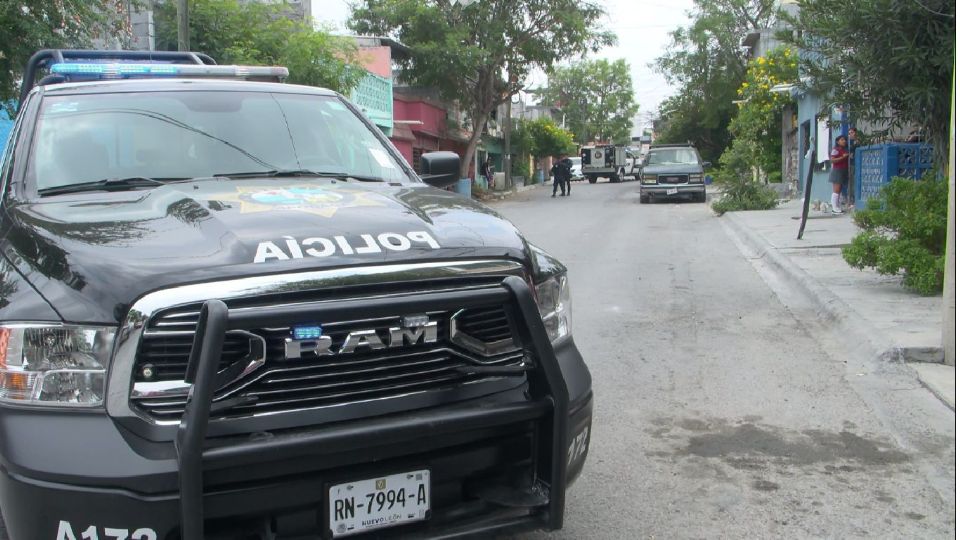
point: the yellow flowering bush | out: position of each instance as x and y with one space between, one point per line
756 128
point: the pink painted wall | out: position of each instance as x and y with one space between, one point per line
376 60
433 118
405 148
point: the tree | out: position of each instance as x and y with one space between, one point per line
548 139
756 127
31 25
479 55
256 33
889 61
707 64
596 97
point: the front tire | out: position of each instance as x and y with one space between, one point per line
592 179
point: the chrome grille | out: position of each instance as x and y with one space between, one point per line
314 381
164 356
673 178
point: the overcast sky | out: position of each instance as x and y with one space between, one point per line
642 27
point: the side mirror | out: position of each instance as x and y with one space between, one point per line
707 164
440 169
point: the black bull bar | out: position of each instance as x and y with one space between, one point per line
548 404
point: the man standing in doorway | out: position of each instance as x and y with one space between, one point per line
852 145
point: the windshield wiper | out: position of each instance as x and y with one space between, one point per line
300 172
108 184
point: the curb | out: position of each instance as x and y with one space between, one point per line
929 381
505 194
829 304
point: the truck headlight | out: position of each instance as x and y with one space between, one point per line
556 308
649 179
54 365
695 179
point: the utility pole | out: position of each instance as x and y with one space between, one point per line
183 26
950 272
507 177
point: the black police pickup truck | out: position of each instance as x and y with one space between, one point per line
229 309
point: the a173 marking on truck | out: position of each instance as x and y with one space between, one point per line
66 531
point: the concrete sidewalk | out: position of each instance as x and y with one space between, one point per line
893 323
499 195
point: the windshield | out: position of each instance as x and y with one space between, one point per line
84 138
673 156
576 161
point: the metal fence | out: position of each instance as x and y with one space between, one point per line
877 164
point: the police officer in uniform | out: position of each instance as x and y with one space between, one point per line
558 180
566 165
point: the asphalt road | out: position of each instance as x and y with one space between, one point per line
720 412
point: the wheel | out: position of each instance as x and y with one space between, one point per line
700 197
592 179
644 199
617 177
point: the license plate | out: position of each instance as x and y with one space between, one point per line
375 503
672 191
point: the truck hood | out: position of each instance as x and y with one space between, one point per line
92 254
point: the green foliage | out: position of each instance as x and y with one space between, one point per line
480 55
255 33
904 230
596 97
740 192
548 139
30 25
707 65
756 127
890 61
521 167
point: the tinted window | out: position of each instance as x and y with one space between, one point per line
83 138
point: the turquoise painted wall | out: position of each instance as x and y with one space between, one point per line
6 124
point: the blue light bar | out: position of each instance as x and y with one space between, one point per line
122 70
306 332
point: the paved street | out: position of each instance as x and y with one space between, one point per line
724 409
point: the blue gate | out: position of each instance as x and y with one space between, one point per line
877 164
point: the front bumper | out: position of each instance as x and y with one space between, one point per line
284 494
64 473
667 189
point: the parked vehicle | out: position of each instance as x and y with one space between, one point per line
576 170
673 170
230 309
608 161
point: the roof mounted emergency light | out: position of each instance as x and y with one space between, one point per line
66 64
124 70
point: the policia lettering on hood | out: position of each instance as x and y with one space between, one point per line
364 244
